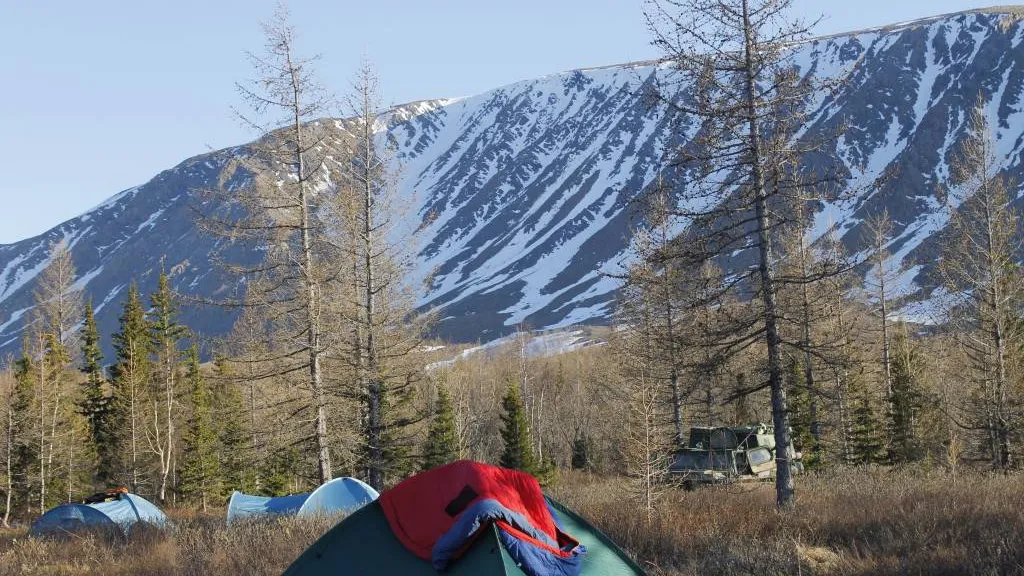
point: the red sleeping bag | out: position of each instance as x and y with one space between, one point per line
436 505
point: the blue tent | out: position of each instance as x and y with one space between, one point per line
248 506
121 513
336 495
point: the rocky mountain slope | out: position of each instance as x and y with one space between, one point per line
523 193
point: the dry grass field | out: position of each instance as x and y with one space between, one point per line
864 521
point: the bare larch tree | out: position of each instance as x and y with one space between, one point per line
270 199
384 328
879 282
57 310
743 101
981 266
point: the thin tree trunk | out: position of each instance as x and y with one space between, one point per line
71 466
841 372
784 488
10 454
711 372
886 361
663 241
59 325
166 452
42 426
252 424
1002 419
677 416
134 422
648 456
376 453
1002 451
842 380
53 423
309 278
174 478
808 357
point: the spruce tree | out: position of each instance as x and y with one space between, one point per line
906 398
200 469
865 433
398 443
515 432
129 376
279 471
580 459
234 454
442 445
25 445
799 413
95 403
546 470
7 425
166 334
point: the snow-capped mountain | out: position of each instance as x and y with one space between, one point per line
523 194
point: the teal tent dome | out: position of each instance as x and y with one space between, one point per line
120 512
363 543
338 495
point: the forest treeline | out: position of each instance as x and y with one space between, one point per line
328 370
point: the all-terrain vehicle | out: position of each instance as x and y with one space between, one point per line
722 455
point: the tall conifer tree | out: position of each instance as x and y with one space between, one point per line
866 433
24 446
906 398
234 452
95 403
166 334
515 432
200 469
130 374
799 412
442 445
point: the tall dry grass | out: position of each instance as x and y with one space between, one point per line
196 545
847 522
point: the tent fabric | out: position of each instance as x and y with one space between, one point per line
531 549
436 513
130 509
242 506
122 514
70 518
363 545
336 495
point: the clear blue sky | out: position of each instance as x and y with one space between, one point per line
101 95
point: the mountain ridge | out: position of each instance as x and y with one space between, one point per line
1013 10
523 193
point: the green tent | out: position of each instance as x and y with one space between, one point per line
363 545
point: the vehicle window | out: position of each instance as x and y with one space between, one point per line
759 456
723 438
